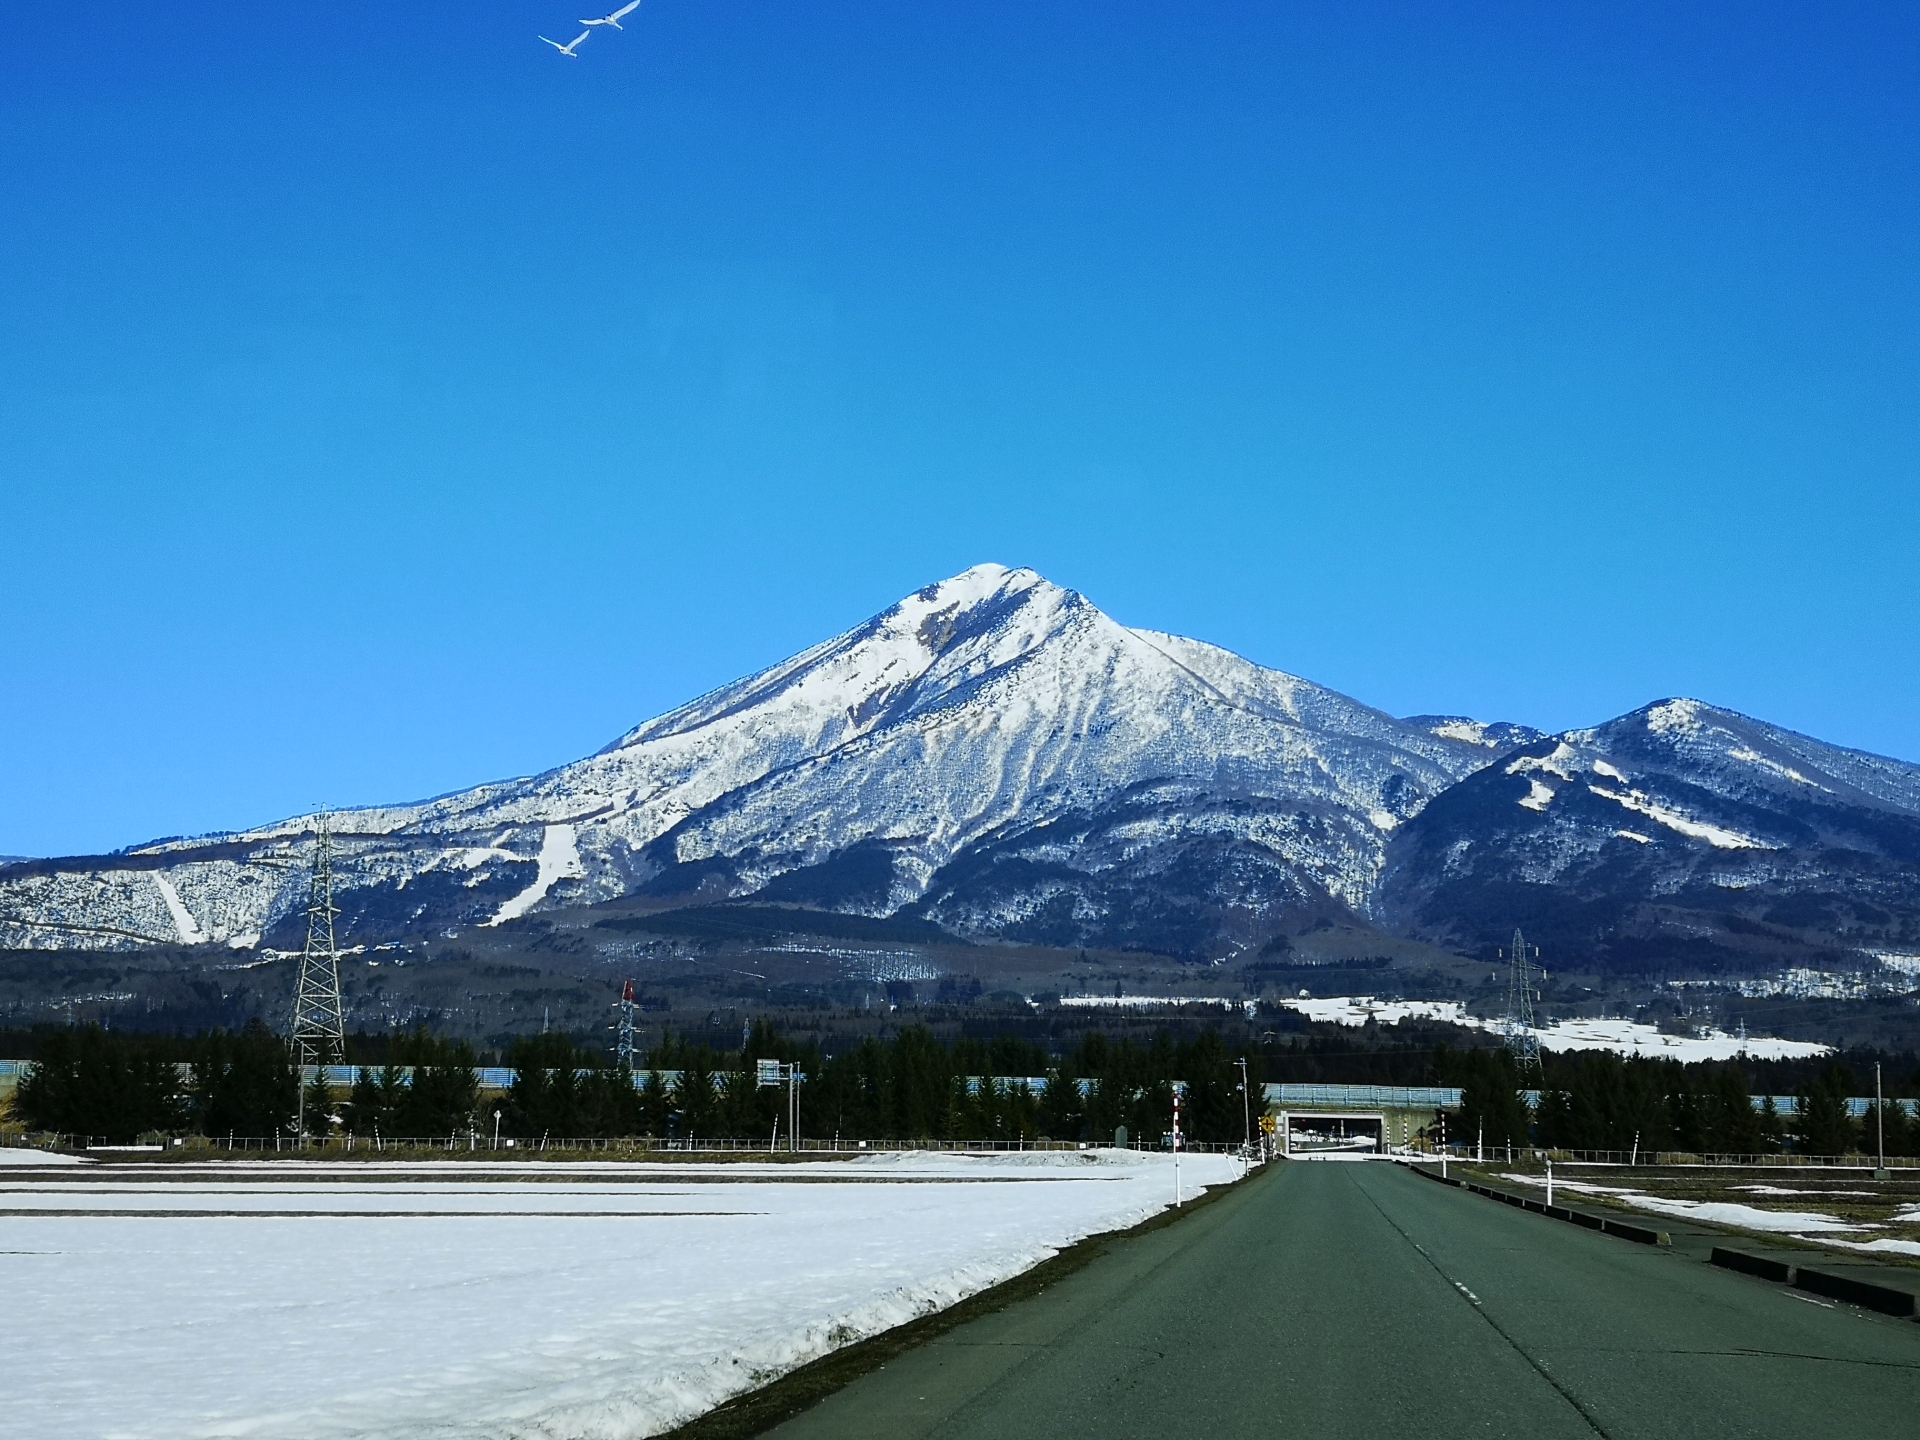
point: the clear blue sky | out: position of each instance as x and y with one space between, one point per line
389 404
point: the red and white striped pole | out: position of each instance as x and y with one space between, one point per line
1176 1149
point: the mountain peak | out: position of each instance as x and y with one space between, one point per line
979 582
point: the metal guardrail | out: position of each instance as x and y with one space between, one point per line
1626 1159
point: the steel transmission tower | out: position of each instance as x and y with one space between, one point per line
623 1050
1522 1039
319 1020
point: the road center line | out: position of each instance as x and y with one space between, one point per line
1539 1367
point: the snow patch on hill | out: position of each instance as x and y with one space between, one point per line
559 860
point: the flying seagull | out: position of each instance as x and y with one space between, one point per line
572 51
615 18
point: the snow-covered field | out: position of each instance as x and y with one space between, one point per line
527 1300
1622 1037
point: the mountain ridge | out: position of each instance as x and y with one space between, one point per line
995 754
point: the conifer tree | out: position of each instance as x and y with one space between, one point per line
365 1114
1895 1125
245 1084
91 1083
654 1103
1824 1125
445 1088
318 1106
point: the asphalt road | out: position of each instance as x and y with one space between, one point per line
1335 1300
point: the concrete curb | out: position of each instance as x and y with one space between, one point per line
1619 1229
1761 1267
1886 1299
1640 1234
1864 1293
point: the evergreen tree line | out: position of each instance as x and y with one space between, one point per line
910 1088
1599 1101
913 1087
117 1087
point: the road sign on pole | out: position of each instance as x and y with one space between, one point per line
777 1072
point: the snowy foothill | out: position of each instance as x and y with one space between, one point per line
1622 1037
1157 1002
1632 1037
1358 1010
310 1302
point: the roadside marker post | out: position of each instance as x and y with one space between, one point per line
1880 1171
1549 1180
1176 1149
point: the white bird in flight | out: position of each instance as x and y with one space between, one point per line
615 18
571 51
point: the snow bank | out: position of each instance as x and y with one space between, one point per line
318 1303
1714 1212
14 1157
1885 1247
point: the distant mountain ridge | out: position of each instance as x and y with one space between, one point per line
1677 820
997 756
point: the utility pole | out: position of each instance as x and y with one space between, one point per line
319 1021
1246 1107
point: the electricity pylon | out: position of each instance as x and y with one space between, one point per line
319 1019
1523 1041
624 1049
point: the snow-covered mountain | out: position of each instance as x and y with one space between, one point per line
997 756
990 749
1663 833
